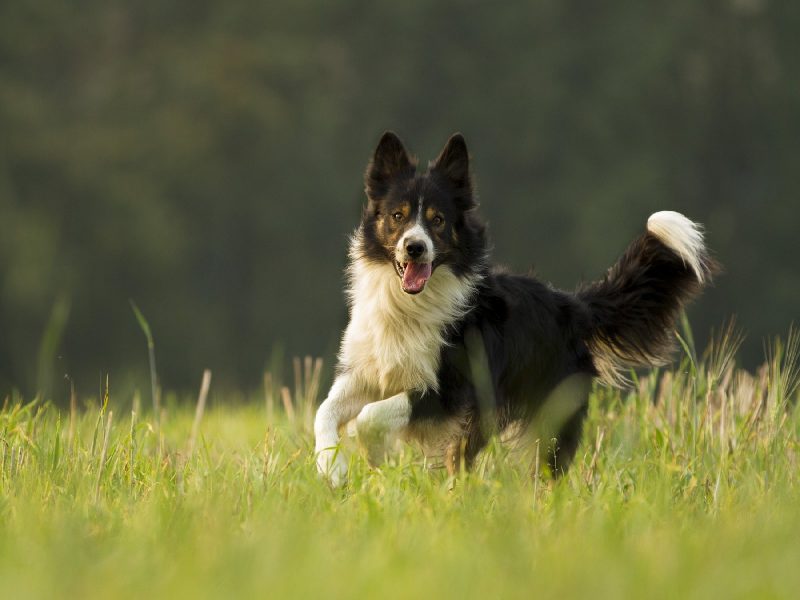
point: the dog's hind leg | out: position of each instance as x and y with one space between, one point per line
565 444
463 450
558 421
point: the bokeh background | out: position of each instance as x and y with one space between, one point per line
205 159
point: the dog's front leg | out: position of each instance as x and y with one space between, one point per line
344 402
378 421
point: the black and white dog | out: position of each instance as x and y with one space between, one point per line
442 348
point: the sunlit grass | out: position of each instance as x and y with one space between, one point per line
684 487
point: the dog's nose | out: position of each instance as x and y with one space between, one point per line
415 249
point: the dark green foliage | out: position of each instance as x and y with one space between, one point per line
206 159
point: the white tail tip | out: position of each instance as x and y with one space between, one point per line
681 235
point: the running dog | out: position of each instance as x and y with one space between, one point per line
443 348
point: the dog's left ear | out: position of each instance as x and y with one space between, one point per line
453 163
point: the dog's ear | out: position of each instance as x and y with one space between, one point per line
453 163
390 160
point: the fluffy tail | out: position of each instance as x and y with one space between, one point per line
633 309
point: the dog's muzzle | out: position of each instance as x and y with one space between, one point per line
414 266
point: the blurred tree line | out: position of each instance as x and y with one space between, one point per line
205 159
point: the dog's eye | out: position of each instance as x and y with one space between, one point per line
398 216
437 220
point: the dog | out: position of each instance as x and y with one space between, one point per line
441 347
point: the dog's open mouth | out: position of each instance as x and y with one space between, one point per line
413 276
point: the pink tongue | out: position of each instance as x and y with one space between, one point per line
415 277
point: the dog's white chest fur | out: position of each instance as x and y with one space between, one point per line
393 341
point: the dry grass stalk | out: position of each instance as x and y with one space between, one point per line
205 384
298 380
286 397
269 397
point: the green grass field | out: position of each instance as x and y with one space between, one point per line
685 487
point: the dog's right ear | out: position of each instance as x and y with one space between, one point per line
390 160
453 163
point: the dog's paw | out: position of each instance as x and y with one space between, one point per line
332 465
372 434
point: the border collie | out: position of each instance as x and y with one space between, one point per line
443 348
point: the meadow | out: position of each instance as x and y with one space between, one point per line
685 486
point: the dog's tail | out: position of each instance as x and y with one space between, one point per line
632 310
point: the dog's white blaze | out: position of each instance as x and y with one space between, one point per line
394 339
681 235
417 232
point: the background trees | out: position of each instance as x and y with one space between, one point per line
205 159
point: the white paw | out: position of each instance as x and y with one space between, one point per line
372 434
366 422
332 465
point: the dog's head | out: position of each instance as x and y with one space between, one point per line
419 221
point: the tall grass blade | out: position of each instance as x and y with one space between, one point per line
151 352
103 455
48 348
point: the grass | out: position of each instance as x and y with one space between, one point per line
685 487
